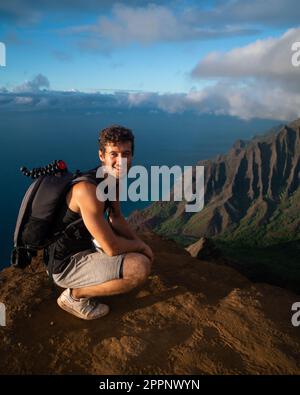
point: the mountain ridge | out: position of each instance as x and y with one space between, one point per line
243 189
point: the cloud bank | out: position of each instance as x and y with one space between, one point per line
148 24
258 79
221 99
268 61
254 81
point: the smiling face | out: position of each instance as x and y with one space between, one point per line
112 156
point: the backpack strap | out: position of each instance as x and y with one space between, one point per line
26 202
89 176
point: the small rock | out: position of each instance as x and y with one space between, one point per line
204 249
142 294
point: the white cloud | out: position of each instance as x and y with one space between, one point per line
148 24
257 80
38 82
182 20
246 103
232 98
225 98
23 100
144 25
277 13
268 61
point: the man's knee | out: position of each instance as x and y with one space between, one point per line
144 269
137 267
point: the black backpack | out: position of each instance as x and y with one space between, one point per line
38 209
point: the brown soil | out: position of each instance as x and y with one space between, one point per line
192 317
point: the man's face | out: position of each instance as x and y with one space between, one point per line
113 155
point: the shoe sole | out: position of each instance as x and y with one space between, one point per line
65 307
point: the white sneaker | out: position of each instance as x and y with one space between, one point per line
84 308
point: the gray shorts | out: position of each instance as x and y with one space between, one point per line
88 268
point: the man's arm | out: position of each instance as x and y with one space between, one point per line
91 210
119 223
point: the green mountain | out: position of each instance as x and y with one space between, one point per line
251 195
252 200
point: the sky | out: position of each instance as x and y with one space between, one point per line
230 57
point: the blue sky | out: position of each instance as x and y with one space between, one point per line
72 65
162 47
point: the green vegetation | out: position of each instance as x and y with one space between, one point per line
278 264
171 225
259 230
163 210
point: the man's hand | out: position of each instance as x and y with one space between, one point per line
146 250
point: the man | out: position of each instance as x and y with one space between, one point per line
122 263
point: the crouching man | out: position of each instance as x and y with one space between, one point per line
122 262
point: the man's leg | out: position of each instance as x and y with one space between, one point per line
136 269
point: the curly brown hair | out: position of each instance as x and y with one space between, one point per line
115 134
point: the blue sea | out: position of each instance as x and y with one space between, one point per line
34 139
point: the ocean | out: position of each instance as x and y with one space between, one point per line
34 139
